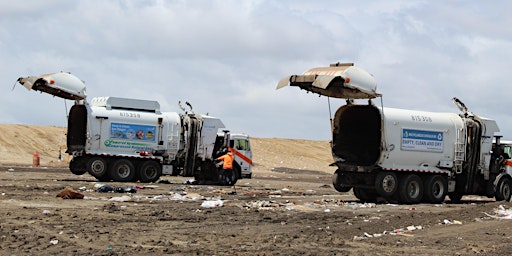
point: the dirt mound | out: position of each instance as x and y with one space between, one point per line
19 142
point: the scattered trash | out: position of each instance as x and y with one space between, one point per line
69 193
454 222
104 188
191 182
10 170
309 192
46 212
212 203
396 232
121 198
54 242
501 213
82 188
129 189
108 188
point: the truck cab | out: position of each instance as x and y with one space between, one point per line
241 147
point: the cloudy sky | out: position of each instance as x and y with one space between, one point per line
225 57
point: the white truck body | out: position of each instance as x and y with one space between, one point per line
406 156
125 139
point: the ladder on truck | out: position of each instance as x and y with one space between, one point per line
460 150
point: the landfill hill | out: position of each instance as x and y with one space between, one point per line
19 142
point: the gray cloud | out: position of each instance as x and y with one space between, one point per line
226 57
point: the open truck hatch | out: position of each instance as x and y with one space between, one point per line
340 80
62 84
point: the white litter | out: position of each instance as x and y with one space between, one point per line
501 213
212 203
120 199
54 242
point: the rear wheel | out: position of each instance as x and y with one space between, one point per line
411 189
122 170
149 171
435 189
386 184
337 178
97 167
503 190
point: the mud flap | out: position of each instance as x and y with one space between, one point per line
62 84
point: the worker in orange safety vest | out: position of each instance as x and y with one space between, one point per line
227 167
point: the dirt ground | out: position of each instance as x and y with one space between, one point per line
288 208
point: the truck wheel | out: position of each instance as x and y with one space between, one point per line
435 189
77 166
411 189
503 190
365 195
149 171
97 167
337 178
122 170
455 197
386 183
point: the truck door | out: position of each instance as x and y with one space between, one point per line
243 155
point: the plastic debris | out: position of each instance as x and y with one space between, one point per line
121 198
109 188
54 242
501 213
212 203
46 212
454 222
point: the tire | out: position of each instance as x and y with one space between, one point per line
386 184
503 190
337 177
149 171
77 166
97 167
435 187
365 195
410 189
455 197
122 170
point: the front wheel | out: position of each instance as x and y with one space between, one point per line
337 178
149 171
365 195
97 167
386 184
503 190
122 170
77 166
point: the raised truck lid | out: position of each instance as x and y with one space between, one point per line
339 80
62 84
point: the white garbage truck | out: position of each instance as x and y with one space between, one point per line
406 156
123 139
